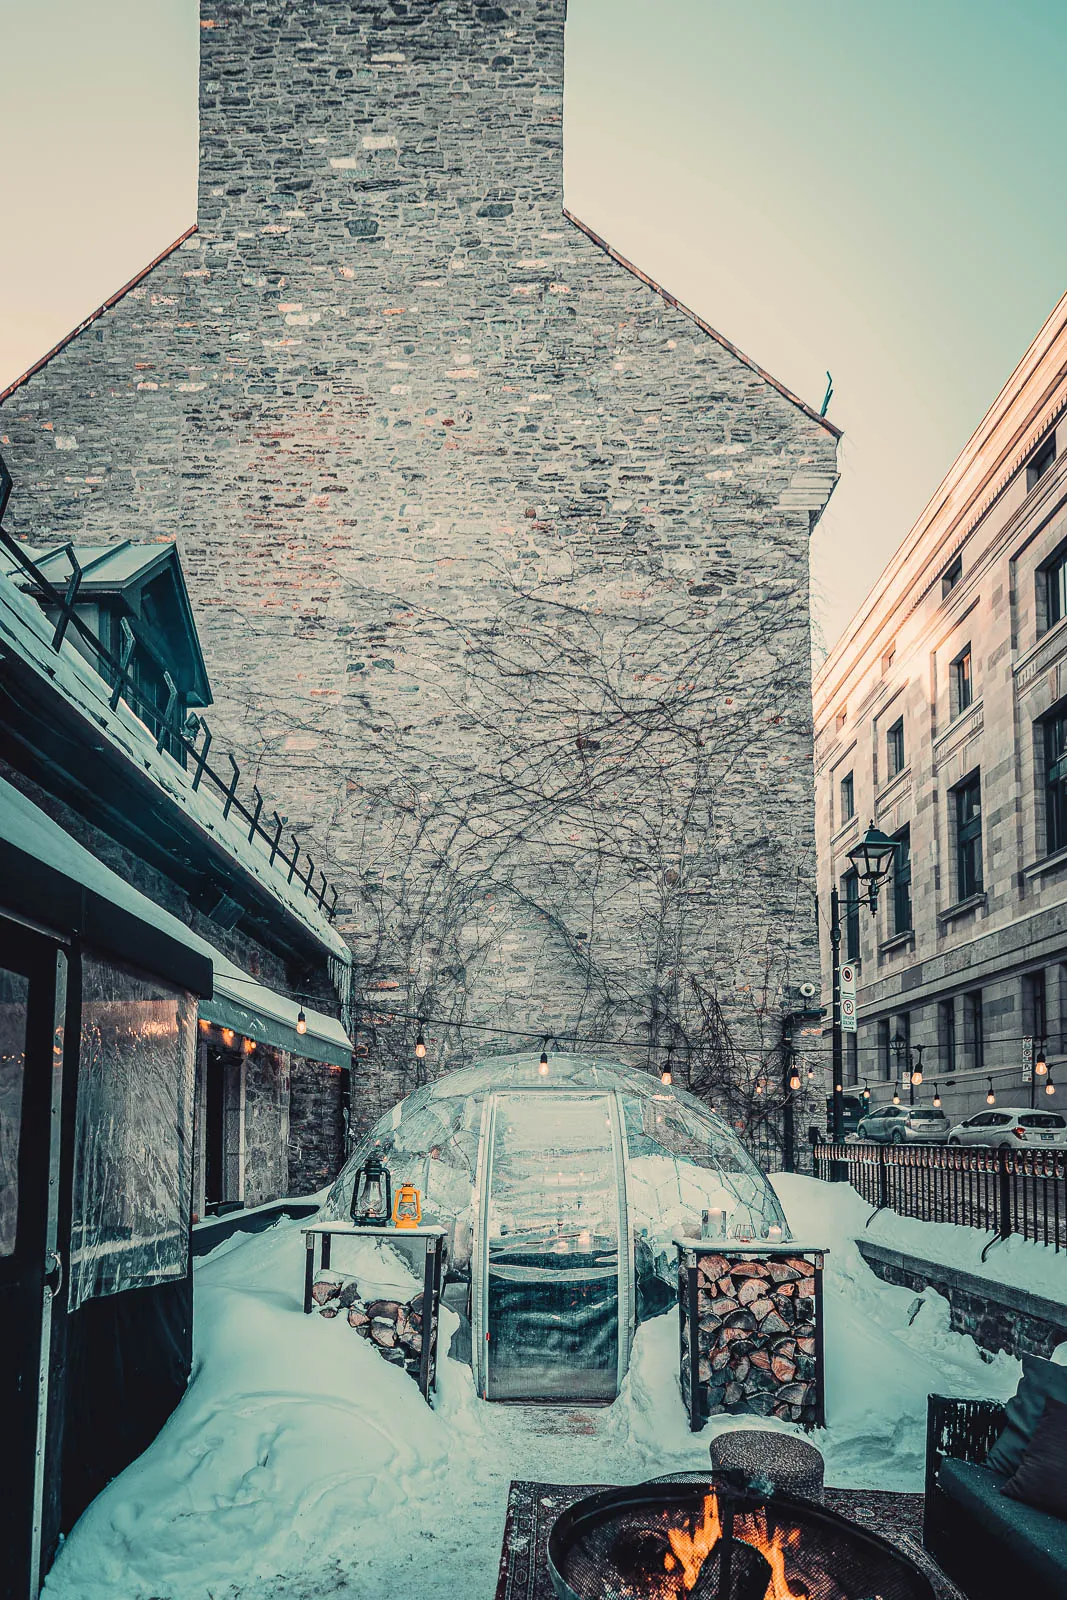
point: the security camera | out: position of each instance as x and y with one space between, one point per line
808 991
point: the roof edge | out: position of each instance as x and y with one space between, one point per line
93 316
705 327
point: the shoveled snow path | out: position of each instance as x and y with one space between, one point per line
300 1464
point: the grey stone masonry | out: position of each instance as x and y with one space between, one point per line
997 1316
500 556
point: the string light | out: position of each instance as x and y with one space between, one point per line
542 1065
420 1045
1050 1087
794 1077
811 1072
228 1035
301 1021
248 1045
937 1098
896 1097
990 1098
1041 1065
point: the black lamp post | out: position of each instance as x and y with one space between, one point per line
873 859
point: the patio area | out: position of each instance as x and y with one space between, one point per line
300 1464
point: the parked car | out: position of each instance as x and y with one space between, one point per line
853 1106
905 1125
1009 1127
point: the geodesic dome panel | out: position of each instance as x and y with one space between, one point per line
678 1159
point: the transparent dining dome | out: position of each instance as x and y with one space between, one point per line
562 1189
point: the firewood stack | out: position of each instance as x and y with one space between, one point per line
756 1340
394 1326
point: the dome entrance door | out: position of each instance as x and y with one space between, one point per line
550 1284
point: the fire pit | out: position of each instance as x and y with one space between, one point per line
682 1541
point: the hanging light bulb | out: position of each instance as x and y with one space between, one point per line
990 1098
811 1073
301 1021
759 1085
248 1045
665 1076
420 1045
542 1065
228 1037
896 1098
794 1078
1041 1064
917 1077
1050 1087
937 1098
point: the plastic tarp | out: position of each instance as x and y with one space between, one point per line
133 1132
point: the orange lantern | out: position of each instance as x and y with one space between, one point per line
407 1212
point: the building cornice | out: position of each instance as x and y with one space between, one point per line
1030 403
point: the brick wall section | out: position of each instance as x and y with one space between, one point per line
500 561
316 1125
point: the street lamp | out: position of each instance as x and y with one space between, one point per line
872 858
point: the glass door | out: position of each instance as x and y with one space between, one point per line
552 1217
32 998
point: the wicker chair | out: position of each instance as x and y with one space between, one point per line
993 1552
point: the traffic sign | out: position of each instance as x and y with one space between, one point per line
848 1013
1028 1059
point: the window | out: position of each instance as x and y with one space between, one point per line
1034 1010
841 718
850 895
975 1032
848 798
888 659
1053 580
852 1064
1040 461
968 801
962 687
902 882
885 1055
946 1028
1055 739
894 748
951 576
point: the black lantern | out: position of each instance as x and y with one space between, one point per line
873 859
372 1195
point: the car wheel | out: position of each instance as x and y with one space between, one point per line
956 1142
898 1138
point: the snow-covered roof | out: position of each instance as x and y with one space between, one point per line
27 633
239 999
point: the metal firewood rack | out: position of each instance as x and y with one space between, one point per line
433 1271
699 1347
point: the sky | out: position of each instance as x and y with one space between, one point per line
843 185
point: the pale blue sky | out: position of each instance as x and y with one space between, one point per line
875 189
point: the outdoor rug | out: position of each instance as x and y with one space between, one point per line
534 1507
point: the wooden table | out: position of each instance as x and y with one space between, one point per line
434 1238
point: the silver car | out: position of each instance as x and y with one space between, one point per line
1013 1128
904 1125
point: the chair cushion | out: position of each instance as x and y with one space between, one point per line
1041 1381
1041 1479
1036 1540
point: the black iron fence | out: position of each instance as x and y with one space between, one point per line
999 1191
188 741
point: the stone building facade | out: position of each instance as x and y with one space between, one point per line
941 713
501 553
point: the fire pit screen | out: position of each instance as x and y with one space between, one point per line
682 1541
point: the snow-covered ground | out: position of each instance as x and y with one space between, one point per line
300 1464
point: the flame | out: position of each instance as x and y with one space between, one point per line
691 1550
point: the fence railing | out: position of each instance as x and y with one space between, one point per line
168 723
1003 1192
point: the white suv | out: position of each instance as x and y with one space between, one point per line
1012 1127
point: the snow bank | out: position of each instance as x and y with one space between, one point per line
300 1464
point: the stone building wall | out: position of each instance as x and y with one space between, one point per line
316 1124
500 558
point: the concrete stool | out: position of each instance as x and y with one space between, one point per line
758 1457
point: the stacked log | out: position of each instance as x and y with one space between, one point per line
393 1326
756 1337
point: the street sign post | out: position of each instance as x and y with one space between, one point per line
1028 1060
